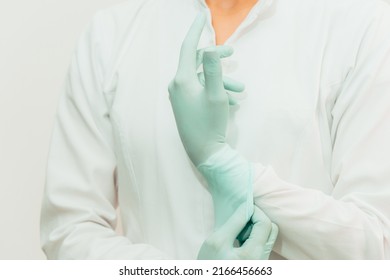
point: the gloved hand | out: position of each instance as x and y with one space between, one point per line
219 246
201 113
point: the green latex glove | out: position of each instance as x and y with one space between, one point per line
220 245
201 109
231 86
230 180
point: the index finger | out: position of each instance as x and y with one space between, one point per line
188 52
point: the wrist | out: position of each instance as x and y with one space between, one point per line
222 159
208 152
230 180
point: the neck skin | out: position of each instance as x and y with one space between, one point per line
227 15
230 7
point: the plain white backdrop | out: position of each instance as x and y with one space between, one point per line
36 42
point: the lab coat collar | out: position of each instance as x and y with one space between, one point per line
260 8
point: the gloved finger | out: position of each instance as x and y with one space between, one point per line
233 85
232 101
228 83
271 242
201 78
262 227
188 52
232 227
222 50
213 75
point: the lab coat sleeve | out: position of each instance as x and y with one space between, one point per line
353 221
79 205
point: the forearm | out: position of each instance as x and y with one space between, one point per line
79 214
91 240
314 225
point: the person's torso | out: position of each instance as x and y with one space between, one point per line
293 57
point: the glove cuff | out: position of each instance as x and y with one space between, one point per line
230 180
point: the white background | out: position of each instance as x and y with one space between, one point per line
36 41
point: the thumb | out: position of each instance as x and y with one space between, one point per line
213 74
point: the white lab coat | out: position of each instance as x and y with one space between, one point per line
315 120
